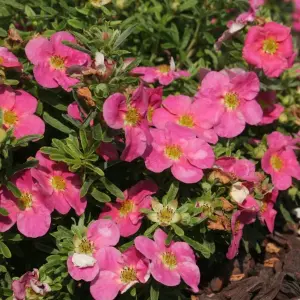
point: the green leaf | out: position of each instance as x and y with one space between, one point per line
85 187
178 230
154 292
49 10
5 250
29 11
31 163
203 249
99 196
97 132
151 229
123 36
16 192
3 32
95 169
3 212
172 192
56 124
113 189
76 23
83 139
26 139
286 215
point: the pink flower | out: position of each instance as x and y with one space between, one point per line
126 213
255 4
185 157
186 118
271 109
119 114
280 161
269 47
18 109
169 263
296 20
31 211
165 74
74 112
29 284
9 60
83 264
267 213
51 59
245 215
243 169
228 100
118 271
61 186
155 101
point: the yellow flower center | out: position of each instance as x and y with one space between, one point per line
150 113
127 206
10 118
57 62
85 247
165 215
58 183
276 162
25 201
169 260
270 46
173 152
231 101
1 60
128 274
31 294
263 207
186 120
163 69
132 117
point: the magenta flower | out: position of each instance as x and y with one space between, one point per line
280 160
243 169
271 109
155 101
83 264
9 60
18 108
119 114
267 213
28 285
118 271
74 112
245 215
169 263
164 74
228 99
186 118
126 213
31 211
270 48
61 186
51 59
185 157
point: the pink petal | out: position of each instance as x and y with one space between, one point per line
60 202
86 274
9 59
106 286
127 227
166 79
73 111
161 116
142 189
111 110
56 40
273 66
28 125
45 76
7 222
146 246
177 105
281 180
25 103
157 162
190 273
7 97
252 112
109 259
38 50
160 239
185 172
277 30
214 84
65 81
183 252
108 151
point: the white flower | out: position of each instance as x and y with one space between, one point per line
83 260
239 192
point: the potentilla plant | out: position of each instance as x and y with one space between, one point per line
138 141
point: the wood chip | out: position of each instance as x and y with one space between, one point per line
272 248
270 262
237 277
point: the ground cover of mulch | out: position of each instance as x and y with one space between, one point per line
273 275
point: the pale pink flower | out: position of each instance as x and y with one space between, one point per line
8 59
185 157
280 160
168 264
242 169
126 213
271 109
186 118
245 215
83 264
118 271
61 186
28 285
51 59
228 100
18 108
269 47
164 74
31 211
118 113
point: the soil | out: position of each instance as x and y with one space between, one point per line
274 275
